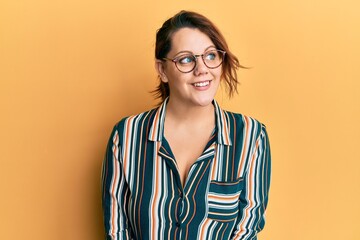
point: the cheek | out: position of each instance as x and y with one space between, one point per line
172 73
175 80
219 74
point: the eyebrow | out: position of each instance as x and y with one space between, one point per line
186 51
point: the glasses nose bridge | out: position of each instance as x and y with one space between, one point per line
196 56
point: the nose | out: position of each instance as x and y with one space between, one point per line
200 67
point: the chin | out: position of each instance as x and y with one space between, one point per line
205 101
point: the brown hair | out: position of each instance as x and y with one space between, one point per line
195 20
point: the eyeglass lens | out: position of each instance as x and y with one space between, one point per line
187 62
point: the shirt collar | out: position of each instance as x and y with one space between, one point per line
222 124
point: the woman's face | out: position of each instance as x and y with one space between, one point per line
195 88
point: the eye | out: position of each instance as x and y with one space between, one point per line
212 55
187 59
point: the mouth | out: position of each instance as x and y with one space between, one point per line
201 84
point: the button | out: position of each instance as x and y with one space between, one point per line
177 224
181 195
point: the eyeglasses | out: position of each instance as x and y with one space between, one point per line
185 63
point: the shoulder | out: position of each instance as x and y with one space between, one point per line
135 122
244 125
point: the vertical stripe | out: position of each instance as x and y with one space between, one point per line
224 196
114 182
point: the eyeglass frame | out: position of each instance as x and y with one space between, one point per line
196 56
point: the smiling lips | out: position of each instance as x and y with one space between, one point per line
201 84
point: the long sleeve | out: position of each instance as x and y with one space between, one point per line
254 197
115 193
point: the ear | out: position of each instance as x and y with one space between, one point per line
160 68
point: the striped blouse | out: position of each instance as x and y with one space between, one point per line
225 193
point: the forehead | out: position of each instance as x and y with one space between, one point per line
189 39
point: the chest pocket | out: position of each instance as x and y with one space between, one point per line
223 200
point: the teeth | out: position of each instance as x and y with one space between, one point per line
201 84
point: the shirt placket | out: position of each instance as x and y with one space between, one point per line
183 192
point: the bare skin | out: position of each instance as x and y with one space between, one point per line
190 117
188 132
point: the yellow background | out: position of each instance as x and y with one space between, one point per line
70 69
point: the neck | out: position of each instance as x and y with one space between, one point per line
192 114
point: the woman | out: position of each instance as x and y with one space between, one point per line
187 169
